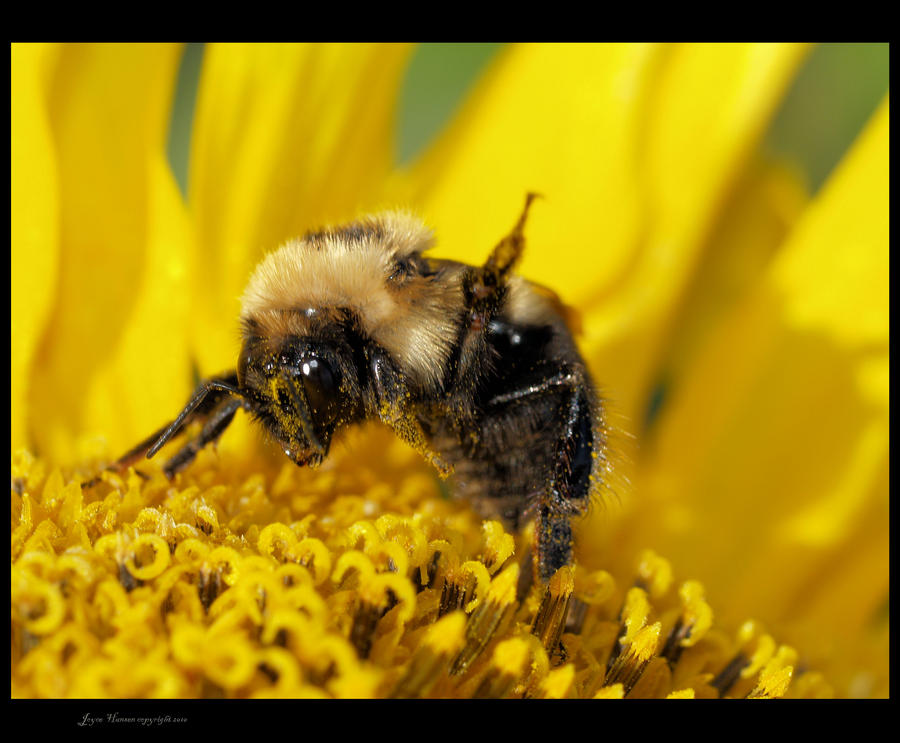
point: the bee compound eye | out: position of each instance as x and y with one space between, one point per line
321 385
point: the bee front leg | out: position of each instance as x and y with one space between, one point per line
393 407
219 419
214 402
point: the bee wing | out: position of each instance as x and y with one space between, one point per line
569 314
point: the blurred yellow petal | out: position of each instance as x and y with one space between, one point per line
772 457
118 324
286 137
707 108
34 219
760 212
634 147
557 119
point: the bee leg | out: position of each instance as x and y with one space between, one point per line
567 491
138 451
393 408
484 289
215 426
506 254
485 286
205 400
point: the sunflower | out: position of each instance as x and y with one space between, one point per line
738 328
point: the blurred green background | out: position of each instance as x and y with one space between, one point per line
838 88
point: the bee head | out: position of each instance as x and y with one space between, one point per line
297 389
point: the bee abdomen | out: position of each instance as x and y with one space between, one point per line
527 452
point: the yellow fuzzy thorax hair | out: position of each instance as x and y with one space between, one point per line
297 287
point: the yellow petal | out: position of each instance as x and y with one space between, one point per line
556 119
286 137
769 478
760 212
34 219
704 116
634 148
115 327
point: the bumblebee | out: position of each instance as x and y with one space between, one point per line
473 366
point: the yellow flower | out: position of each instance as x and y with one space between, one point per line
698 267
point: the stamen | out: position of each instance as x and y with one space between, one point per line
489 617
442 641
633 660
508 664
551 616
330 585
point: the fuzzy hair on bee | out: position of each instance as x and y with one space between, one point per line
472 366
